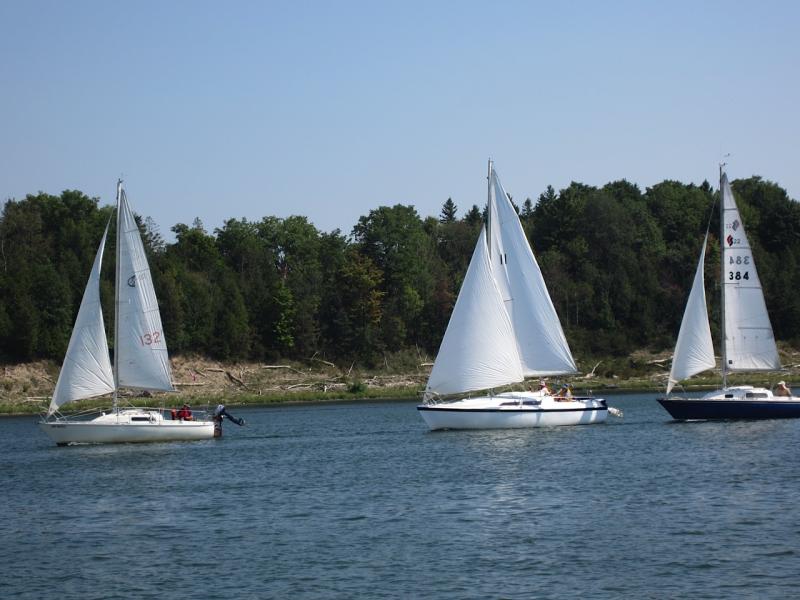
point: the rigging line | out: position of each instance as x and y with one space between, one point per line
711 212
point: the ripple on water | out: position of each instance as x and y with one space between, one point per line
360 501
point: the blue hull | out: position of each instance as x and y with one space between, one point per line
683 409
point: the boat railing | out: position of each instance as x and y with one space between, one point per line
200 414
430 398
81 414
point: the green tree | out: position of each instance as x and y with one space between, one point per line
474 217
449 211
394 239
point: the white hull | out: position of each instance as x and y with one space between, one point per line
513 411
129 425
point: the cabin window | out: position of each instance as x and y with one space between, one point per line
755 395
729 395
140 418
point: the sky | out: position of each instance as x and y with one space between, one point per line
219 110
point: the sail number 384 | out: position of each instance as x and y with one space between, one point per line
738 275
148 339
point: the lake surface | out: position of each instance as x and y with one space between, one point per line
361 501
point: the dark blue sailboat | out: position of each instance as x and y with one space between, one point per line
748 343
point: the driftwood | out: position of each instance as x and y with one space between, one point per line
282 367
659 362
426 364
324 362
235 379
590 375
187 384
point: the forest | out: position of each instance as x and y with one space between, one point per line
618 263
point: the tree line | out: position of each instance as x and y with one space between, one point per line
618 263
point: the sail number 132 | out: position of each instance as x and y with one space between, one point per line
148 339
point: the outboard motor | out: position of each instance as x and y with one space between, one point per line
219 415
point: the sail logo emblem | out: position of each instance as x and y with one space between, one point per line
729 239
736 225
132 281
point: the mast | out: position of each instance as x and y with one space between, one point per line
116 297
489 210
722 277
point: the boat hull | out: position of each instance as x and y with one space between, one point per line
128 426
499 413
689 409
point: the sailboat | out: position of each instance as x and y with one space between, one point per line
141 360
503 329
748 344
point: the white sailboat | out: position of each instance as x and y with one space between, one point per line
503 329
747 340
141 360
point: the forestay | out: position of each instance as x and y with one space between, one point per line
749 342
540 339
86 371
694 351
141 348
478 349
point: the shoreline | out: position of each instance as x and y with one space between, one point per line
383 394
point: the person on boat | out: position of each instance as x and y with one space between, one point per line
185 413
543 388
565 393
783 390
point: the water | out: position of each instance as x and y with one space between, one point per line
361 501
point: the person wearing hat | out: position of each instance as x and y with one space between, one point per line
543 388
185 413
565 393
782 390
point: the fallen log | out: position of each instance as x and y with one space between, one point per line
235 379
282 367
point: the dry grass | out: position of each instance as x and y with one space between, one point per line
27 387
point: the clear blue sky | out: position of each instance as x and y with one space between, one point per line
330 109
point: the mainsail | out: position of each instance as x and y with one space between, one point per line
86 371
478 350
504 326
694 351
141 348
749 344
542 345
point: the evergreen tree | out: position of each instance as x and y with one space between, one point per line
448 212
474 216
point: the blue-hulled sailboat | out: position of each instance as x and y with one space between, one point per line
748 343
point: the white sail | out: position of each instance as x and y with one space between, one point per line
141 348
748 339
540 339
478 349
86 371
694 351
